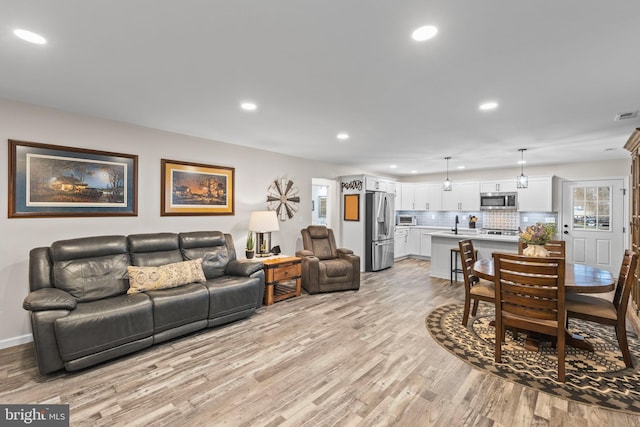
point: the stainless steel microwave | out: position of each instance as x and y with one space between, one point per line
496 201
406 220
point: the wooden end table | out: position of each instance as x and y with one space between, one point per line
279 273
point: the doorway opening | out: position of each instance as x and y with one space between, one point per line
323 202
319 204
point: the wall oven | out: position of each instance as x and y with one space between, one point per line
496 201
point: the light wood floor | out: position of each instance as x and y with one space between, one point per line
348 359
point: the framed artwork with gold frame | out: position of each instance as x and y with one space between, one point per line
196 189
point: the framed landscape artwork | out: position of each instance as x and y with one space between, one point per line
56 181
196 189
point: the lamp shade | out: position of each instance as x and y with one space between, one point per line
263 221
523 180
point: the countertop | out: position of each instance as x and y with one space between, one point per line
463 233
471 234
433 227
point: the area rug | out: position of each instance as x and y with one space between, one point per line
599 378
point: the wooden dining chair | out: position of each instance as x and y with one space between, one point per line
556 248
530 296
606 312
475 288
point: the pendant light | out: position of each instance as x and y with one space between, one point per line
447 182
522 180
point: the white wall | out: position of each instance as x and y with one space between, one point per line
353 232
254 171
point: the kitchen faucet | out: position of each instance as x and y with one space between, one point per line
456 226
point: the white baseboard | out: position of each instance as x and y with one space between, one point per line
11 342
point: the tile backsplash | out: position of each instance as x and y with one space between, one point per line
503 220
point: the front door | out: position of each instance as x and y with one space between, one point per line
593 223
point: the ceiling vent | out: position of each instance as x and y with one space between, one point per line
625 116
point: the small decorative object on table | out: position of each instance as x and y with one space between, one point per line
249 251
536 236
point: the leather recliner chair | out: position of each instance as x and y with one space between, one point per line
326 268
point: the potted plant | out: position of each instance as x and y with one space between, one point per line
249 250
536 236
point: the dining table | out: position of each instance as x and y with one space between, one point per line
578 278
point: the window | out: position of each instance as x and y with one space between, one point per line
322 210
591 208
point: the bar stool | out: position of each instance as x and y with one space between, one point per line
454 254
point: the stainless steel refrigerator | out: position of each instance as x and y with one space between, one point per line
379 224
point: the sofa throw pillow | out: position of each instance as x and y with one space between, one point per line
142 279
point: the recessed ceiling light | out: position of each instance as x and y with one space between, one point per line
342 136
522 162
460 167
486 106
424 33
249 106
29 36
414 171
393 166
627 115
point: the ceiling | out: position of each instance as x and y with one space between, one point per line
560 72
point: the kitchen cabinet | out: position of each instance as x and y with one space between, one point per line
502 185
407 197
425 243
464 196
413 244
401 243
421 197
441 244
434 196
413 241
538 197
398 193
633 146
372 183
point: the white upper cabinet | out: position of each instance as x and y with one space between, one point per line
420 197
398 193
434 200
502 185
538 197
464 196
372 183
407 197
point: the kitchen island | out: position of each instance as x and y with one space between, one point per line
485 244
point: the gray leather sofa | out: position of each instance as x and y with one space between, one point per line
81 313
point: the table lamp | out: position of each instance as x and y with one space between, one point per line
263 223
